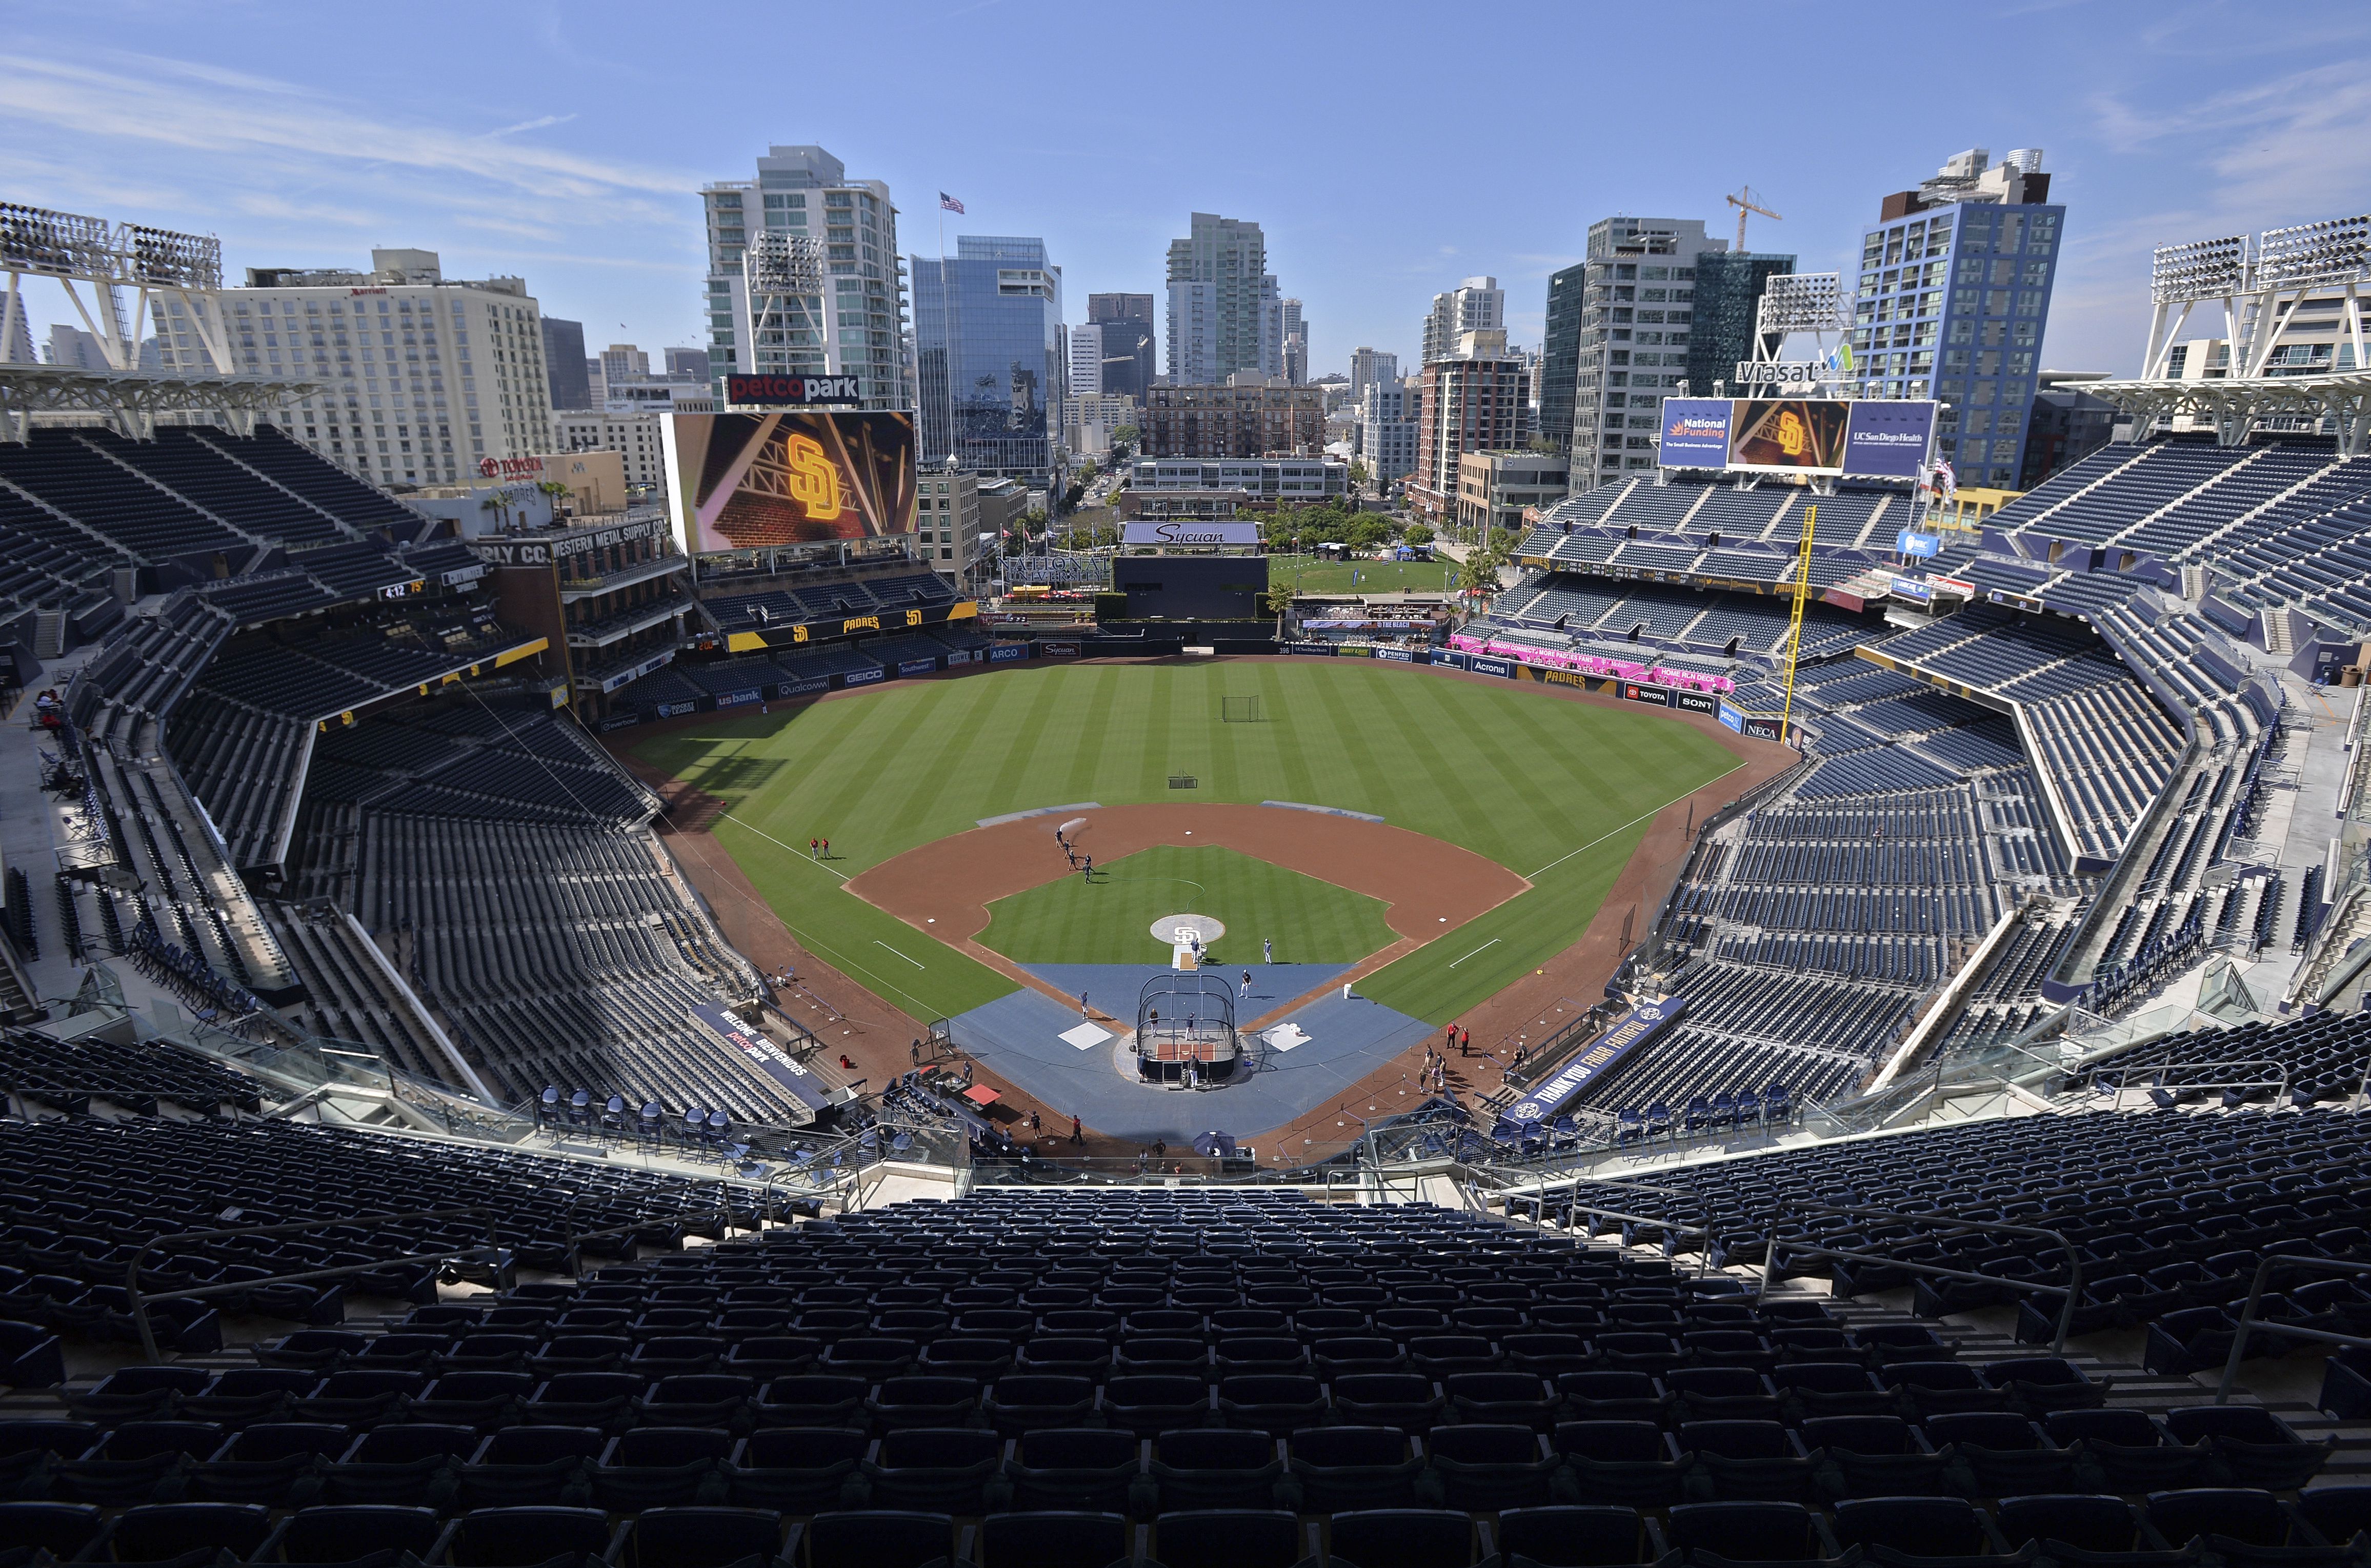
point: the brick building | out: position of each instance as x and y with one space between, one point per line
1233 421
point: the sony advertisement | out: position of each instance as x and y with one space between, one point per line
1817 437
761 481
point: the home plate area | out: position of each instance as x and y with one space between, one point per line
1319 1051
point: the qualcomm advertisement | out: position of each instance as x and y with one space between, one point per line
1695 432
1633 1030
1813 436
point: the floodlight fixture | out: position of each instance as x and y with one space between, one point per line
2334 252
37 239
1802 302
2201 270
170 258
783 263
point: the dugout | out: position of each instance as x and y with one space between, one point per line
1182 587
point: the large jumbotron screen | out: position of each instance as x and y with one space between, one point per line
1878 438
757 481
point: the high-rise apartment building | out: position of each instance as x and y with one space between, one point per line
988 349
1295 350
424 379
1953 298
1386 427
563 362
1225 313
1477 399
16 346
1477 304
804 275
69 346
1369 366
1128 330
1629 344
1086 360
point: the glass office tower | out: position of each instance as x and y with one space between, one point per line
987 340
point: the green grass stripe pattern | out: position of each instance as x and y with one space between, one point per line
1519 775
1109 921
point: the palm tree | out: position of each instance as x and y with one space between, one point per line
1278 600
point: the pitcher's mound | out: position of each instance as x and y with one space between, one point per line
1179 930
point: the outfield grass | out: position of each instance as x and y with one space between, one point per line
1110 919
1313 574
1556 791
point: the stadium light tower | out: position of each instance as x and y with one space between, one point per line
2294 262
1800 301
2182 278
157 264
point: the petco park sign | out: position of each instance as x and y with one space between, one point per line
1176 533
790 391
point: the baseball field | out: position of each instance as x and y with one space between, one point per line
1558 792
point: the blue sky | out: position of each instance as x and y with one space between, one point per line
1387 150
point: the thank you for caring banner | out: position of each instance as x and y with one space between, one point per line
761 1053
1631 1031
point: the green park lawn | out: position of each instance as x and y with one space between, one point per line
1109 921
1556 791
1313 574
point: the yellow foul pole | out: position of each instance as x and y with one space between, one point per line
1795 622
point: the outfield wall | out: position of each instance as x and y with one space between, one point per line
1067 650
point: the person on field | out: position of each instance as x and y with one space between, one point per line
1247 984
814 849
1267 951
1078 1133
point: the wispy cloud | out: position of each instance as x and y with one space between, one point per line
536 124
193 107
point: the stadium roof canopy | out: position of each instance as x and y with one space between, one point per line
2236 405
130 401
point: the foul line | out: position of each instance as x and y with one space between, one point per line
1626 826
915 961
794 849
1492 942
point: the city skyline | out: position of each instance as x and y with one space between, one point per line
2180 129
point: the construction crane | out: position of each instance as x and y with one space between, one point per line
1746 202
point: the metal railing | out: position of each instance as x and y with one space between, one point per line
2156 1075
2072 1289
2248 1322
1539 1197
140 1299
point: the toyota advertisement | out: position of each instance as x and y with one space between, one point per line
1817 437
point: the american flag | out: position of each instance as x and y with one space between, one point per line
949 202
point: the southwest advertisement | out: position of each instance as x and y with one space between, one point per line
1870 438
758 480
